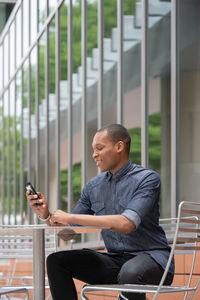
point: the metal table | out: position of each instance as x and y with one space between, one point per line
38 235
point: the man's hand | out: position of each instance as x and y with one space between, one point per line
59 218
118 223
41 210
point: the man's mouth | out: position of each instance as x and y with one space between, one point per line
98 162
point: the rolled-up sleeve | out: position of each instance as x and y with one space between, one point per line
132 216
144 198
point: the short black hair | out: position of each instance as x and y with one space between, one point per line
118 132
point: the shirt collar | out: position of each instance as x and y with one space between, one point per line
121 172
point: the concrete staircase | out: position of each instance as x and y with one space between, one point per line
159 15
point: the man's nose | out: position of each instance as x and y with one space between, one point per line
94 154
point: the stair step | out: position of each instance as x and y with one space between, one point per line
64 88
156 8
95 61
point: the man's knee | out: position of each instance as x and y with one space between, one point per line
128 275
51 261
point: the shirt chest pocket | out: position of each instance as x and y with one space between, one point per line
98 208
124 198
123 202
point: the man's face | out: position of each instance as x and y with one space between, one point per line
105 153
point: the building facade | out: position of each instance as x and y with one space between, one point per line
70 67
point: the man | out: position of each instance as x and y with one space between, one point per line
124 200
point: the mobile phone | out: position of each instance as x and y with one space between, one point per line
29 187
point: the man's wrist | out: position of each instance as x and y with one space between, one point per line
45 219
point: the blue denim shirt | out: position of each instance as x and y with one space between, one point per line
134 192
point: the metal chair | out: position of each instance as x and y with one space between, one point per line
183 235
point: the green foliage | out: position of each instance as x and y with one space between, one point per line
9 151
76 183
135 150
154 143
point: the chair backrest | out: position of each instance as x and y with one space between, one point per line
183 235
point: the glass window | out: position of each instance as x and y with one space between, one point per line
12 48
1 69
42 112
5 183
42 13
18 37
52 106
1 146
131 73
25 117
12 169
33 128
33 22
5 60
189 72
33 92
25 98
18 128
25 26
159 83
52 5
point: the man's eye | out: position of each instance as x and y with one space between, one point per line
99 149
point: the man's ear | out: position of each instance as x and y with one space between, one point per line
120 146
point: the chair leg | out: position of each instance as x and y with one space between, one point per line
121 296
83 297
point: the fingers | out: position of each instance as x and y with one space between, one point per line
37 199
41 195
59 218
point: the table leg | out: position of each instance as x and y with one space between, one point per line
38 264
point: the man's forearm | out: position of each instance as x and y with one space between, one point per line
117 223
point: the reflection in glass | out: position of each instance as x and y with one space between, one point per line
6 175
63 107
18 37
2 144
189 72
25 116
12 49
33 21
1 150
12 100
52 110
42 13
33 82
52 5
33 129
52 56
1 69
6 64
42 112
25 26
159 105
18 127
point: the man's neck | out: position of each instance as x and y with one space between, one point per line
119 166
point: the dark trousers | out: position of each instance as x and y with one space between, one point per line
100 268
